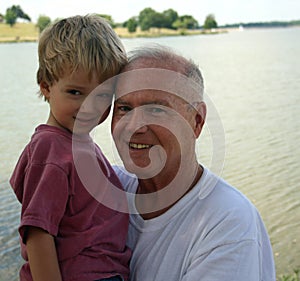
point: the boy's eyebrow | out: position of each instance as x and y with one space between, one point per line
83 88
79 87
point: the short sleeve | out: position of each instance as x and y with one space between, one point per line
229 262
128 180
45 197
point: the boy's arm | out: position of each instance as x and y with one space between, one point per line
42 255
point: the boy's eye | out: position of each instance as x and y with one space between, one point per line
104 96
74 92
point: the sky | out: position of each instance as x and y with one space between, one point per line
225 11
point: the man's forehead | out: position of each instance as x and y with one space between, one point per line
150 97
159 80
148 68
174 63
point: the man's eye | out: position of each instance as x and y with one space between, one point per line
155 109
124 108
74 92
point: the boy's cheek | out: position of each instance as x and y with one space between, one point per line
103 116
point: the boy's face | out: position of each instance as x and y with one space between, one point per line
76 102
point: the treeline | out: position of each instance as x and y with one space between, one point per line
149 18
146 19
264 24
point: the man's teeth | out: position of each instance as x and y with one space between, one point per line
139 146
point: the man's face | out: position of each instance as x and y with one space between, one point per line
153 129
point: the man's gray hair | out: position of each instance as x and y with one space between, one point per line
167 56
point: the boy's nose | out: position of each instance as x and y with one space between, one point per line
86 106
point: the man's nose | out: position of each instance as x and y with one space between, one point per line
136 121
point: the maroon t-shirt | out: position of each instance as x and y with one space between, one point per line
90 237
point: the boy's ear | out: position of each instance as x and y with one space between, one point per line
45 90
199 117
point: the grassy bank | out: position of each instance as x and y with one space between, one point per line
292 277
28 32
159 32
20 32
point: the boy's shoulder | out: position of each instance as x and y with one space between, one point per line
49 133
49 142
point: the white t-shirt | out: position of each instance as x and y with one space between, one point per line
212 234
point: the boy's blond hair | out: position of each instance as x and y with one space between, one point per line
87 41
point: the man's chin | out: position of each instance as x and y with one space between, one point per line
142 171
134 168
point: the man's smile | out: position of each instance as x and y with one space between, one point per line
139 146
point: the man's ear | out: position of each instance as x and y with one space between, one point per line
200 116
45 90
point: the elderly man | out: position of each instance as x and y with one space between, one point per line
186 223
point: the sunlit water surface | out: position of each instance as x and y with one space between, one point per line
252 79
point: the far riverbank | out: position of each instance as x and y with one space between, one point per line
28 32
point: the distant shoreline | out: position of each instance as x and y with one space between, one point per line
18 39
28 32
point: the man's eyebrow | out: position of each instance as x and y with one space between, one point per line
157 102
119 100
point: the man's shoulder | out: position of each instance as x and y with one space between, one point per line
225 212
128 180
221 198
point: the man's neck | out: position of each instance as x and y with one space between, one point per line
157 197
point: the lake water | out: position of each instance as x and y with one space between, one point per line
253 81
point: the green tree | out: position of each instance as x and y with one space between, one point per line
210 22
169 17
19 12
109 19
157 20
43 22
10 17
13 13
186 22
147 18
132 24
